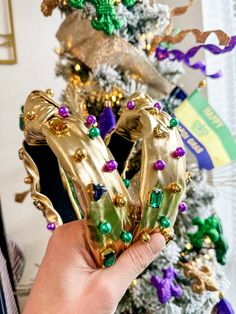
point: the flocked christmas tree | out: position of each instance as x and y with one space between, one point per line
104 58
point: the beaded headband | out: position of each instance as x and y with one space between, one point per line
73 174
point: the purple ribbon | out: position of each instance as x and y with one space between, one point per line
177 55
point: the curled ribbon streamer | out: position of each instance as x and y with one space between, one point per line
201 37
177 55
177 12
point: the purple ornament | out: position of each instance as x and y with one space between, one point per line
159 165
64 111
130 105
224 307
165 286
91 120
110 166
158 105
51 226
182 207
179 152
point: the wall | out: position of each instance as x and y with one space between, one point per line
34 70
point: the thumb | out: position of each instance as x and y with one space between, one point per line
133 261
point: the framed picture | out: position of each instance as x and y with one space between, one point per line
7 35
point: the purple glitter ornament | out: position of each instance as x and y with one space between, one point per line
130 105
182 207
158 105
51 226
110 166
64 111
159 165
91 120
165 287
179 152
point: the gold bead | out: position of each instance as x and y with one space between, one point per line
202 84
80 154
57 126
145 237
30 115
28 180
174 187
120 200
49 92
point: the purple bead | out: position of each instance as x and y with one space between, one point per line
159 165
110 166
130 105
91 120
183 207
51 226
64 111
158 105
179 152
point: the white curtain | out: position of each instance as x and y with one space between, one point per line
221 14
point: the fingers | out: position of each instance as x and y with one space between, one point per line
133 261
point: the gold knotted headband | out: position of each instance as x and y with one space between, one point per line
88 172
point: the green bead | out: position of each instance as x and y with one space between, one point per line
126 183
174 122
94 132
129 3
109 259
126 236
156 198
164 222
104 227
78 4
21 122
22 109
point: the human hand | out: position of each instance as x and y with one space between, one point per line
69 281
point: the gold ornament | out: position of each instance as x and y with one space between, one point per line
174 187
57 126
201 276
120 201
28 180
80 154
160 132
30 115
49 92
145 237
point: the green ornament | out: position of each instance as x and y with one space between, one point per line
126 236
212 228
156 197
126 183
104 227
22 109
94 132
129 3
77 4
174 122
109 259
21 122
164 222
105 19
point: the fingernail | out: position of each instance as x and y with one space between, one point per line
157 243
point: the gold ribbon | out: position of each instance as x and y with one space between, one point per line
94 48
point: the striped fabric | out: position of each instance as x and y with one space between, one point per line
10 303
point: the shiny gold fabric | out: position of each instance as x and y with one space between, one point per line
44 126
94 48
